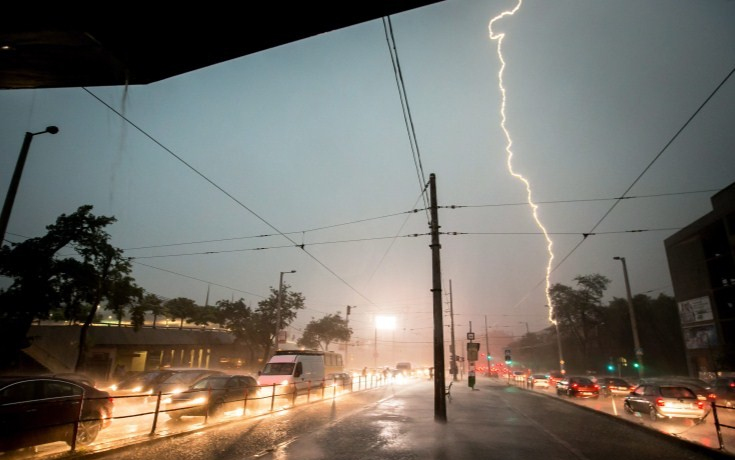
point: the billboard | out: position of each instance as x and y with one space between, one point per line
695 310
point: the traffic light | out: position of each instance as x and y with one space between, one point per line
489 358
611 367
508 359
636 365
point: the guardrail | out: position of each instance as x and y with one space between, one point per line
254 401
718 424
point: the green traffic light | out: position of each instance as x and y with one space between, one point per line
636 365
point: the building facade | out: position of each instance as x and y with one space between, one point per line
701 260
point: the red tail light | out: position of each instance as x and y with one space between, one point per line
597 387
574 385
660 402
732 384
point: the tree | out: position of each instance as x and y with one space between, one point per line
154 304
181 309
242 322
125 296
579 311
320 333
266 316
43 282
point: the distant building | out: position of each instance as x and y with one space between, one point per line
54 349
701 260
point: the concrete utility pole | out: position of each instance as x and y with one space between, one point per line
278 310
633 324
453 359
347 322
440 404
487 347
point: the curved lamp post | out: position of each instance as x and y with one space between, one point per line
13 189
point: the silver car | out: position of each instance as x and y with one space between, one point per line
665 401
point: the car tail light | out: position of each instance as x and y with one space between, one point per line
732 384
597 387
700 404
660 402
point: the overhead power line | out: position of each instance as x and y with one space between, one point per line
414 211
225 192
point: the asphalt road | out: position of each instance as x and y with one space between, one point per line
397 422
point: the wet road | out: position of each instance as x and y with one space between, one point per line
397 422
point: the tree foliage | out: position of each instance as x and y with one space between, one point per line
579 311
320 333
266 315
180 309
43 282
594 335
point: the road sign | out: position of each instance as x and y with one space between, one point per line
472 351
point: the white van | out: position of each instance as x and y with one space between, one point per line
293 370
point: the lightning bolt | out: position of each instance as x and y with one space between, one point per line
498 37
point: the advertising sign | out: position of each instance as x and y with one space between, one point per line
695 310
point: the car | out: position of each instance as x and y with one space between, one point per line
701 388
724 391
37 410
538 381
578 387
339 379
662 400
555 377
614 386
139 384
212 396
182 379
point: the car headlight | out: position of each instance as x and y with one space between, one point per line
199 400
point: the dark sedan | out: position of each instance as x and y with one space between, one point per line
38 410
213 396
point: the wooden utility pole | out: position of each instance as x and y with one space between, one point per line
440 405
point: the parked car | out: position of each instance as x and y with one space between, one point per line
213 396
38 410
724 391
578 387
538 381
614 386
665 400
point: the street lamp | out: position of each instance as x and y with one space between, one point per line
10 197
278 309
633 325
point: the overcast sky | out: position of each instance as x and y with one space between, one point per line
215 175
